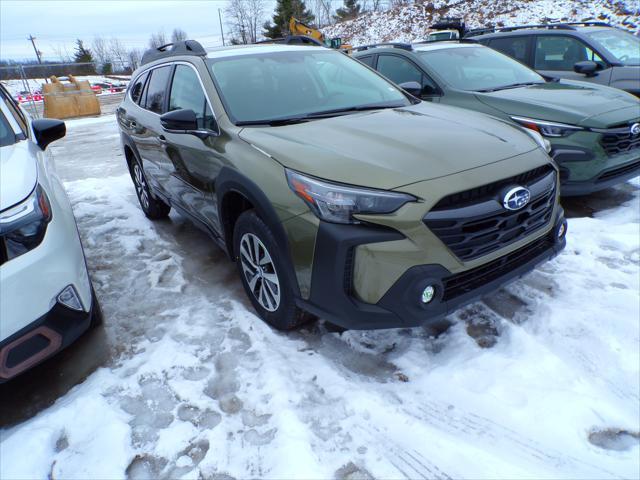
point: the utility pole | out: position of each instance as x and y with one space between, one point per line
32 38
38 53
221 30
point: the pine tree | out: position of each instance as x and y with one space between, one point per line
350 10
285 9
82 55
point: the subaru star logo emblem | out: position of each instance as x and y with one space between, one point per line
516 198
635 129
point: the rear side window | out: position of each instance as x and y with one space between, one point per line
368 60
556 52
136 89
515 47
187 93
156 89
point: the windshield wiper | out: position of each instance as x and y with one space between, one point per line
512 85
275 122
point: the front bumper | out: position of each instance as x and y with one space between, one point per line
52 332
333 299
605 179
584 170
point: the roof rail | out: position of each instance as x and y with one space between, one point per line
186 47
590 23
403 46
549 26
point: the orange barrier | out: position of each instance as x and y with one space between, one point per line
72 99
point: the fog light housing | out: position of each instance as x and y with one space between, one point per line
562 230
428 293
69 298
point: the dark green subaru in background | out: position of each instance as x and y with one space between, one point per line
593 130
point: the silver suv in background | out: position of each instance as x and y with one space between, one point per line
588 51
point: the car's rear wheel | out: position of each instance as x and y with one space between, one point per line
261 269
153 208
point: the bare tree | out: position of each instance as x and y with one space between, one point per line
157 39
244 19
62 53
134 57
118 53
178 35
100 49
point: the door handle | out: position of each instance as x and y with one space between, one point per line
162 139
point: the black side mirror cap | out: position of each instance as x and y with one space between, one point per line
587 68
48 130
413 88
185 121
179 121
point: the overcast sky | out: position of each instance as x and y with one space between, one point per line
57 24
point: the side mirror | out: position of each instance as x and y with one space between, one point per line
587 68
179 121
48 130
414 88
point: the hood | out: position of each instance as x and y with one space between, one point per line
575 103
18 174
392 147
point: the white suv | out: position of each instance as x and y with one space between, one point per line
46 297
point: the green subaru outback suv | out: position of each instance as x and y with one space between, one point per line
337 193
594 130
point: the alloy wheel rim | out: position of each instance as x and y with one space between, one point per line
141 186
260 272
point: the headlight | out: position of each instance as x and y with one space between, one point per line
542 142
548 129
338 203
23 227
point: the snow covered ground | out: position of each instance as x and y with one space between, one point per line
540 380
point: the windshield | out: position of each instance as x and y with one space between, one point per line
622 45
7 136
478 68
295 83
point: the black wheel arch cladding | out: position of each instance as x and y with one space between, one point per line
230 180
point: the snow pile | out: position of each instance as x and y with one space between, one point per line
411 22
540 380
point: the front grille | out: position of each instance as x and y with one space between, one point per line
489 191
465 282
471 230
618 172
615 143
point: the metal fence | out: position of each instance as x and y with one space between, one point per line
31 75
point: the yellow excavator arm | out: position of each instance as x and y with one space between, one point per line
296 27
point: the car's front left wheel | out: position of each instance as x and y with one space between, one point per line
261 269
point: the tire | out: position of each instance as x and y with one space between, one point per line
262 275
153 207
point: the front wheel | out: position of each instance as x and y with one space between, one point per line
262 270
